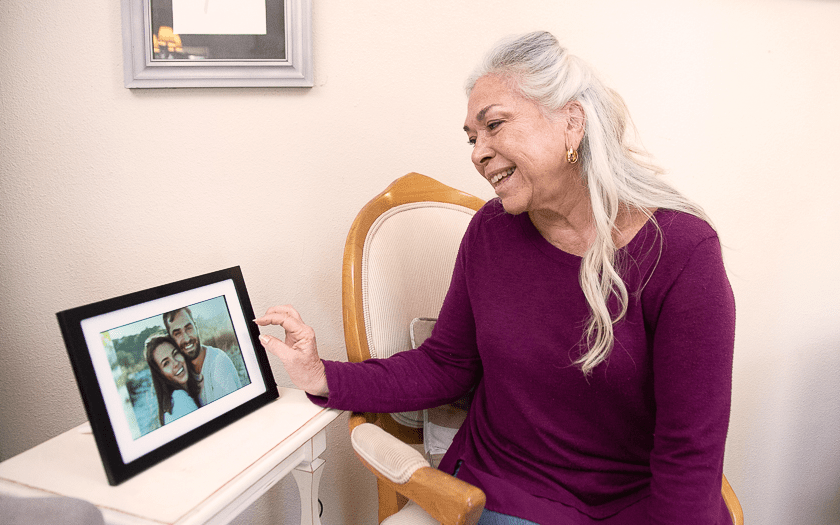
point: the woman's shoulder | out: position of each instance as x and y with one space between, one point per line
685 265
179 395
670 242
681 231
669 239
182 404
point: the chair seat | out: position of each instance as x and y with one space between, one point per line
411 514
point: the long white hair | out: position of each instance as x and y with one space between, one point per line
616 171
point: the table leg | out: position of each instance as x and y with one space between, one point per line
308 478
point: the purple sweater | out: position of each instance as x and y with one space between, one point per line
640 441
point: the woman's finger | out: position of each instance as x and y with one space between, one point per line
285 317
275 346
276 314
303 365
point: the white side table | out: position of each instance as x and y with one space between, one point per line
210 482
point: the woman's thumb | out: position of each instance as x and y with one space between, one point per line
272 344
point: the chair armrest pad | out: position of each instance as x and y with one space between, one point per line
392 458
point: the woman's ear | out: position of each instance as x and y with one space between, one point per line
575 122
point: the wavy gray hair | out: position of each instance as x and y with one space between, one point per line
616 171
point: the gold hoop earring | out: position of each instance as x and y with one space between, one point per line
571 156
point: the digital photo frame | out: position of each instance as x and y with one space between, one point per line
161 368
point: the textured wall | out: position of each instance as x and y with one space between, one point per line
106 191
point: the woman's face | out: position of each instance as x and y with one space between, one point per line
170 361
518 148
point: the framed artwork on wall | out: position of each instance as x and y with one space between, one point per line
217 43
162 368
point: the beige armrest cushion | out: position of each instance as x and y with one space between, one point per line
411 514
394 459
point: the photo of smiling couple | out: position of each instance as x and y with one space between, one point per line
186 372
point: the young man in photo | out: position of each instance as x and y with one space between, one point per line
217 376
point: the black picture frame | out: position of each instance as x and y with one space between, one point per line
103 341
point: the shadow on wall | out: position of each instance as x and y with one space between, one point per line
832 515
810 434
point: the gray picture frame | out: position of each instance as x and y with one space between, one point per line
292 67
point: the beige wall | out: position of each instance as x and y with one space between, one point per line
106 191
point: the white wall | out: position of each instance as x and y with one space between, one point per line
106 191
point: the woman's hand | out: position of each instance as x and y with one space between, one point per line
299 352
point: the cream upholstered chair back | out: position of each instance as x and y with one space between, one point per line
398 262
407 264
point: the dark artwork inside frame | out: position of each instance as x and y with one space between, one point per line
270 46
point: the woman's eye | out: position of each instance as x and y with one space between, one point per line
471 141
493 125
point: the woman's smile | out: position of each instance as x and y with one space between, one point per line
502 175
172 364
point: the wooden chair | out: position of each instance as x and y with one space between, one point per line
398 261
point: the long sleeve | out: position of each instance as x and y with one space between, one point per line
692 370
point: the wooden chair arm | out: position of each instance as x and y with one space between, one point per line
446 498
357 418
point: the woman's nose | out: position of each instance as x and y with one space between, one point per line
481 153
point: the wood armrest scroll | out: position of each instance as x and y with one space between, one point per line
446 498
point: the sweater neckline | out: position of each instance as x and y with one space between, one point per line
563 257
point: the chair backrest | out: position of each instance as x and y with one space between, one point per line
398 262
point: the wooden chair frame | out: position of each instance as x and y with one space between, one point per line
452 496
732 503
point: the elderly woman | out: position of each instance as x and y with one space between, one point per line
589 308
